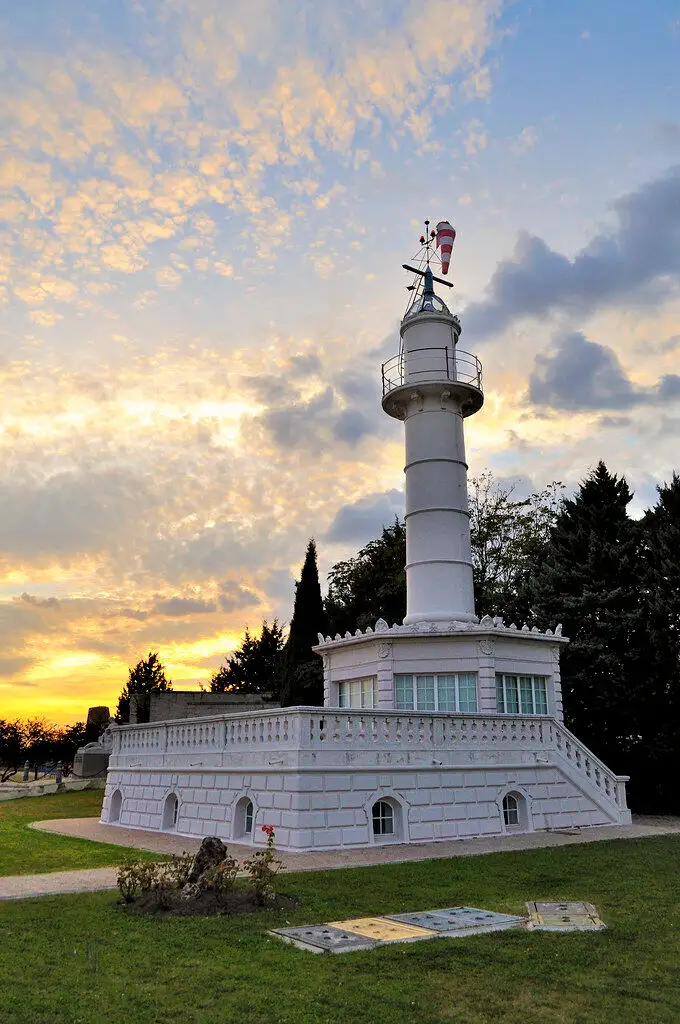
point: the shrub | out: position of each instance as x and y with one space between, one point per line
135 877
263 866
221 877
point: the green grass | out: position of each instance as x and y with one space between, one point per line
24 851
82 960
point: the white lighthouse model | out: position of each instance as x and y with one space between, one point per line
440 727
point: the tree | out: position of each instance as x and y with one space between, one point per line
147 677
12 751
370 586
508 538
255 666
653 776
589 580
301 669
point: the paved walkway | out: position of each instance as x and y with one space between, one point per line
94 879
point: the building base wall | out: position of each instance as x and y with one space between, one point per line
332 809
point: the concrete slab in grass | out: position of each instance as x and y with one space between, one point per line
383 929
460 921
564 917
324 938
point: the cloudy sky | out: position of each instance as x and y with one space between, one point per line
204 208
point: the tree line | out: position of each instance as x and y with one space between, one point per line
41 744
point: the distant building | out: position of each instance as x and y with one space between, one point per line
168 707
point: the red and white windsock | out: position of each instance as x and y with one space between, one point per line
446 236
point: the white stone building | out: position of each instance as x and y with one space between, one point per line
439 728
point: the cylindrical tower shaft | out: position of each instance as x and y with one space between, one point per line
435 388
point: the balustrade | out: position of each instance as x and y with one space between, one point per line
313 729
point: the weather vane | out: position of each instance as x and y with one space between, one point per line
442 238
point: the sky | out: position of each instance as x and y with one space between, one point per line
204 209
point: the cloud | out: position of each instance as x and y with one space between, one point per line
578 374
363 520
69 513
13 665
642 250
177 606
234 595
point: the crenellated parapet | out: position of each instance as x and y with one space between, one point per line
487 625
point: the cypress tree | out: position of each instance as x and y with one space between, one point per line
302 672
589 580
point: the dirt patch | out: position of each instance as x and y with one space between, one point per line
207 904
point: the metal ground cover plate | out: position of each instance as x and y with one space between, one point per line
564 917
324 938
457 921
383 929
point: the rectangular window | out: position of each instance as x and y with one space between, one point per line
425 693
403 692
467 691
358 693
453 692
540 696
526 695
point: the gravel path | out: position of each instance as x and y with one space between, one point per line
95 879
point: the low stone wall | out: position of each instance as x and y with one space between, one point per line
18 791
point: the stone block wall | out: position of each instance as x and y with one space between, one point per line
332 809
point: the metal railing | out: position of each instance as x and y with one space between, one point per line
421 365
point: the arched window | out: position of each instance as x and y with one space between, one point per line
244 815
115 806
510 811
383 819
170 811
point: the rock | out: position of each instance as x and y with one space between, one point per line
191 891
211 852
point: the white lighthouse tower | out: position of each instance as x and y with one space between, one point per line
438 727
432 386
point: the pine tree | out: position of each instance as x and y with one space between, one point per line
654 777
589 580
301 672
255 666
147 677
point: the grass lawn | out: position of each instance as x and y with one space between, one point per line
82 960
23 851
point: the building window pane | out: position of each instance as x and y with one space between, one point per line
540 697
467 692
383 819
248 819
510 810
446 693
425 693
358 693
449 692
500 695
403 692
526 695
511 696
368 693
